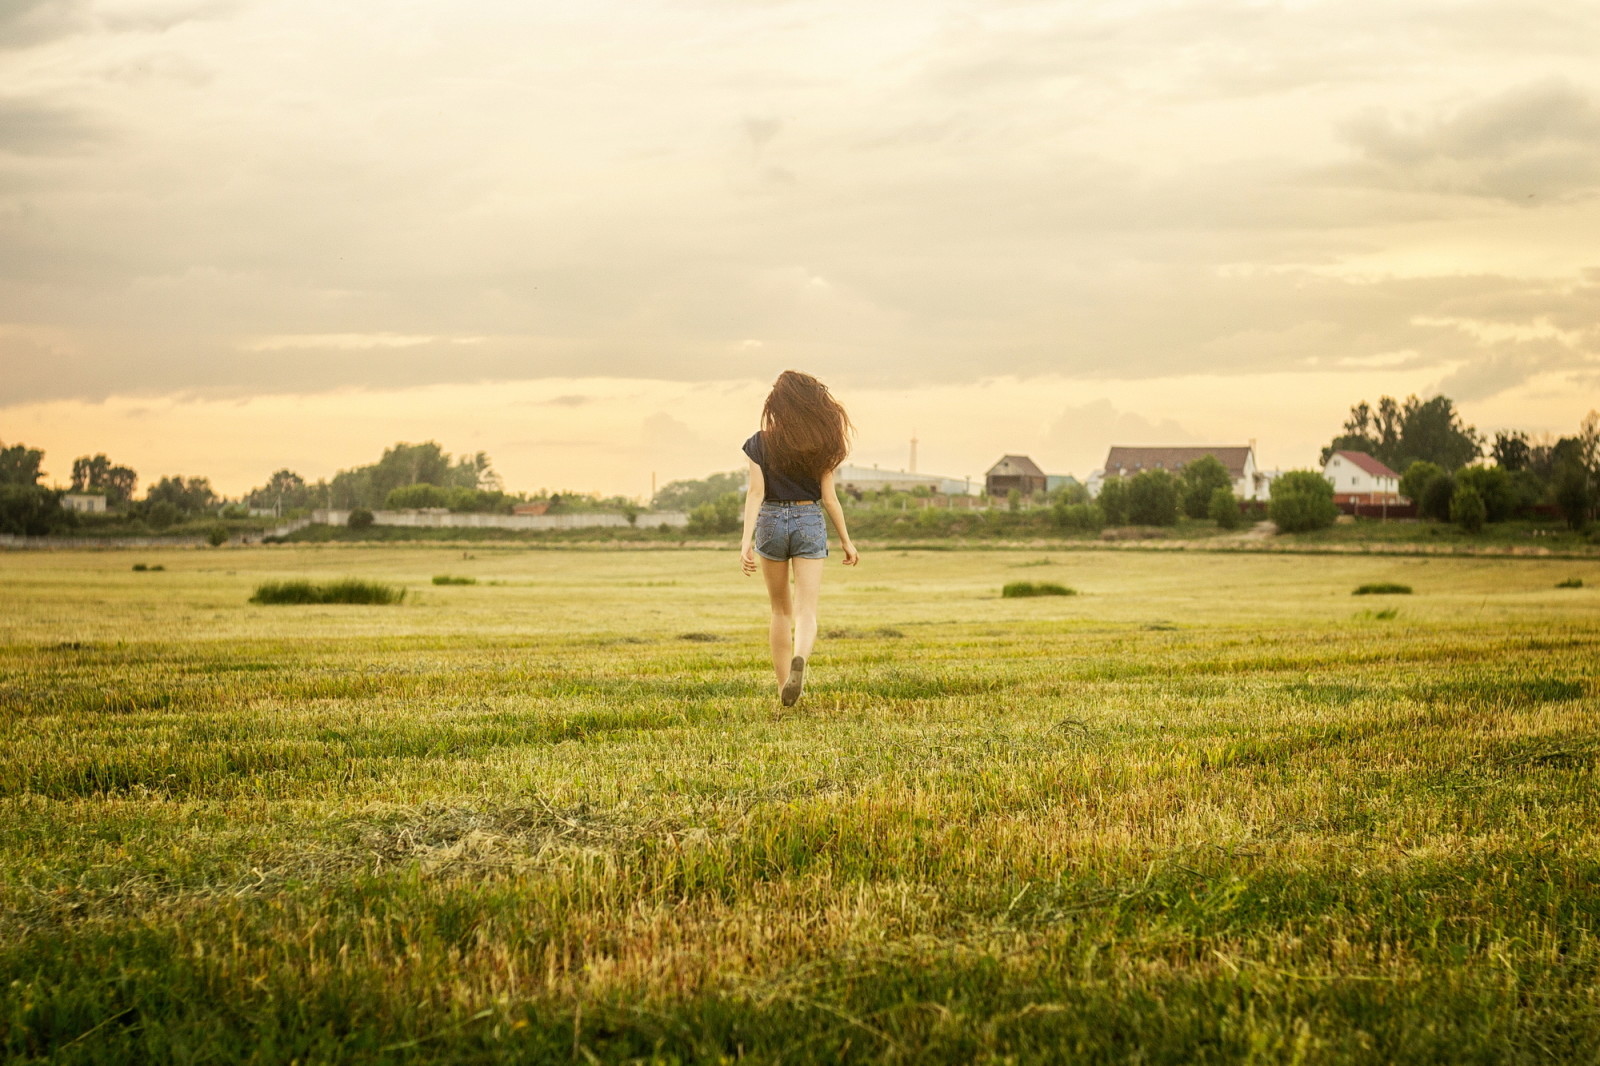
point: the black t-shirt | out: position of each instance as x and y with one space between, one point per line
781 486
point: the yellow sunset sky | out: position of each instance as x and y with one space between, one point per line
240 235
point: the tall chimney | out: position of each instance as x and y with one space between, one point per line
913 469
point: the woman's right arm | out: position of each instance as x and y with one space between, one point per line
753 494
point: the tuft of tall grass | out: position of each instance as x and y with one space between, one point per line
448 579
348 590
1382 588
1570 583
140 568
1015 589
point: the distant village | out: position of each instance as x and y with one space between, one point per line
1357 478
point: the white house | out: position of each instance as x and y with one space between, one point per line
1248 482
1357 477
86 502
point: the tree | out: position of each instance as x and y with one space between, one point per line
30 510
1510 451
1201 478
1224 509
1494 488
188 496
410 464
1416 478
1399 434
284 490
97 474
1113 501
1467 509
1436 495
1302 500
1014 500
687 495
360 518
1153 499
410 497
19 465
722 515
1573 495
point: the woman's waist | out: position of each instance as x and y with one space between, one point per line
790 505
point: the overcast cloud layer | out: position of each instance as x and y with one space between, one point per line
257 197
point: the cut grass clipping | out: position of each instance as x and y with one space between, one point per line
350 590
1570 583
1382 588
447 579
1016 589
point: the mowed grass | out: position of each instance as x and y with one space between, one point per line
1206 810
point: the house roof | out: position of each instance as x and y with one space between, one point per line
1130 460
1368 463
1015 466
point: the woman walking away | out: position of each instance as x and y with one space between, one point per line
804 436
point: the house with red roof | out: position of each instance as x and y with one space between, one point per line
1357 477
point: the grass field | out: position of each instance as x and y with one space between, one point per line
1213 808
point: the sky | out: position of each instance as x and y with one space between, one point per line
584 237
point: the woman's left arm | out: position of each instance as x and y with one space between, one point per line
830 503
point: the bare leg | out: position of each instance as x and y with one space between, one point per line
807 589
776 575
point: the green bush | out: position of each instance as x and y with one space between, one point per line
723 515
349 590
1495 489
1416 478
414 497
1467 508
1153 499
1570 583
360 518
1573 495
1436 497
1302 500
1382 588
447 579
1016 589
1201 480
1113 501
217 536
1224 509
162 514
1083 517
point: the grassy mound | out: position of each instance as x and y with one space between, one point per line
1015 589
447 579
1382 588
349 590
1570 583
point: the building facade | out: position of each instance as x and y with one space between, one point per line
1249 483
1357 477
1015 472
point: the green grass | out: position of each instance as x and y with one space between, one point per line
1382 588
1570 583
447 579
349 590
1014 589
1198 814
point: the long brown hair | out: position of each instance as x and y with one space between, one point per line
804 430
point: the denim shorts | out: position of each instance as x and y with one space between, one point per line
791 531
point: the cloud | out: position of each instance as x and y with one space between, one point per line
1528 145
1082 434
31 127
24 23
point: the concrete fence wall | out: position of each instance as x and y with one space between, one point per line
11 540
419 520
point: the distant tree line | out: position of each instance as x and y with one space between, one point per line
1439 460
